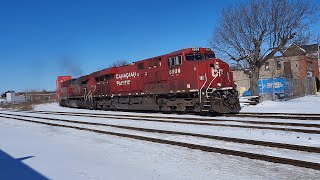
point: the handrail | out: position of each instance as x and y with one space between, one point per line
205 75
85 93
89 95
94 88
210 85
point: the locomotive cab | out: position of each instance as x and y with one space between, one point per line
197 55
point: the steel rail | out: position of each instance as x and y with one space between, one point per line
154 119
295 116
274 116
279 113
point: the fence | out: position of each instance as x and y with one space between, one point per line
302 87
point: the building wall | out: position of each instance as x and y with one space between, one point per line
10 96
302 67
298 70
315 59
242 80
37 97
299 67
296 64
269 69
305 68
316 70
274 71
13 97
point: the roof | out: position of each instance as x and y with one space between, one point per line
311 48
36 93
294 49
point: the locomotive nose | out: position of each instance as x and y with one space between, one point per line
215 72
215 69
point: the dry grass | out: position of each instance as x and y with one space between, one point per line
23 106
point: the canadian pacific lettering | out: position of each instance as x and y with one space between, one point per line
127 75
124 78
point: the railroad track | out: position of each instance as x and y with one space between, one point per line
288 114
296 116
274 159
304 117
196 121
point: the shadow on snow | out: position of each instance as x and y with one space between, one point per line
11 168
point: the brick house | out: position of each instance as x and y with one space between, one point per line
297 62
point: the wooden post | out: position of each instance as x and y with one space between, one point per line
315 87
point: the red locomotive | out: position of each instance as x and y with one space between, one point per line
188 80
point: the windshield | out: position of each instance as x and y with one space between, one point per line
210 56
194 57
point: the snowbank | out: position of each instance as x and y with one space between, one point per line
307 104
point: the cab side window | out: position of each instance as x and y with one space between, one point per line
174 61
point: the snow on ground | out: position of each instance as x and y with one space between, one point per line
307 104
59 153
206 142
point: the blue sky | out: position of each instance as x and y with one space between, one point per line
41 39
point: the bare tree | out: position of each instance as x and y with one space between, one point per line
254 31
120 62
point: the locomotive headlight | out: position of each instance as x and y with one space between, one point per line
219 84
202 77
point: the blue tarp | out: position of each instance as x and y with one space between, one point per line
272 86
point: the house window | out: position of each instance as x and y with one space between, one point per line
266 66
278 63
309 66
